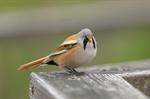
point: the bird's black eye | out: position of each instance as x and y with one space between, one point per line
85 41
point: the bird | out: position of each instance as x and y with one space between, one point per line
76 50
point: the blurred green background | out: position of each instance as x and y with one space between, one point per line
115 44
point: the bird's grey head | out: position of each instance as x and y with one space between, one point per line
84 36
85 33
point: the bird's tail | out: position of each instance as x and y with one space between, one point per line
32 64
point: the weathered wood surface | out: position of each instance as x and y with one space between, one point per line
98 83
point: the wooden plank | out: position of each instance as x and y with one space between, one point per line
122 67
140 80
92 85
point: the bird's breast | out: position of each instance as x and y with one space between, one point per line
85 56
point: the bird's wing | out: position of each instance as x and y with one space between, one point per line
68 44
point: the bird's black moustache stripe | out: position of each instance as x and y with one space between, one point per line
94 45
85 41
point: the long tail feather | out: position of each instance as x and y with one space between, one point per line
32 64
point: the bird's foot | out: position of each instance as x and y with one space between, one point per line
74 72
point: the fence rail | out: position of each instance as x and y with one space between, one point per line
113 81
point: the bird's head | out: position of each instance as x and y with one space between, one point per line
84 37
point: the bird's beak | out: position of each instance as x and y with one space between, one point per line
90 40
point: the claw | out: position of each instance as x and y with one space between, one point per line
74 72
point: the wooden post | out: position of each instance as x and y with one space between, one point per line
118 81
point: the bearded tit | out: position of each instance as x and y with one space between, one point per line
76 50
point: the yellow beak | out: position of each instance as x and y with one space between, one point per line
90 40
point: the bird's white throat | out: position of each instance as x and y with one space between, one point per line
85 56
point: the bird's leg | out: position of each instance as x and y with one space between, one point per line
69 70
73 71
77 73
